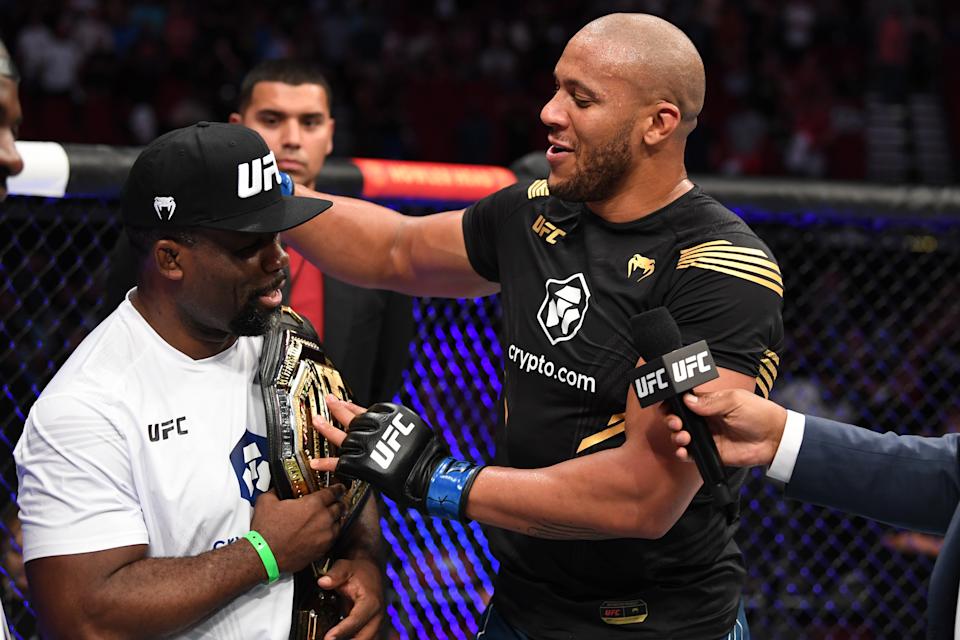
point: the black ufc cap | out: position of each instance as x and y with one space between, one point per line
211 175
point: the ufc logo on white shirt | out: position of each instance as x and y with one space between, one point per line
257 176
387 447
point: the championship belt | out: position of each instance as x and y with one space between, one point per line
295 376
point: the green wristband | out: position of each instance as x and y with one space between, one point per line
266 555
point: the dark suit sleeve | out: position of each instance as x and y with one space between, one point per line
907 481
367 334
393 350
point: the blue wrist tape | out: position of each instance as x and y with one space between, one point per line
449 486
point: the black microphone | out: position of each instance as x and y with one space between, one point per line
671 370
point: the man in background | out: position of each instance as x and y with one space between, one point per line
366 332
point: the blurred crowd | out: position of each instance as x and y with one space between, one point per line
464 80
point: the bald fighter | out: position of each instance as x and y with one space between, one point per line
599 530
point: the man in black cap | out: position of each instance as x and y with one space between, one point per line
144 484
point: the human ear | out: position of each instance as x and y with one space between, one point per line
664 121
168 256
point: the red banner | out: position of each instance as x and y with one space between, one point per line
430 180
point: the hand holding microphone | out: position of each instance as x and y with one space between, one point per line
747 428
670 371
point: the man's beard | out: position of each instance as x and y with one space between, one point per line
254 320
599 172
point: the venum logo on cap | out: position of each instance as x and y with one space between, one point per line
563 308
257 176
164 205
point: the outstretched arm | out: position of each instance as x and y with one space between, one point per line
834 464
637 490
372 246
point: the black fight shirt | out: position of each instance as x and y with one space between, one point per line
570 282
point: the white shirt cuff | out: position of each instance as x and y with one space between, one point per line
782 466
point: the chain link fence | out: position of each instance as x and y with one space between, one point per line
868 313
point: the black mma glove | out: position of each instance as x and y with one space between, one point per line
392 448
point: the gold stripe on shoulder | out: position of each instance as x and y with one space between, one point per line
731 264
538 189
615 427
729 254
775 286
712 243
721 245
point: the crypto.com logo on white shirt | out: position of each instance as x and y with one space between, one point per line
564 307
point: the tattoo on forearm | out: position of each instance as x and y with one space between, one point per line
552 531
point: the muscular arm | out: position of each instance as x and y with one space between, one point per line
120 593
638 490
372 246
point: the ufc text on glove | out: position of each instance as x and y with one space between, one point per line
392 448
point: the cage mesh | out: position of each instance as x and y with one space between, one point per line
868 312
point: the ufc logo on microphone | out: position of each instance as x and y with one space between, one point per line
257 176
686 367
388 445
653 381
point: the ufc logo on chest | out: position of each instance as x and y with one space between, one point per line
257 176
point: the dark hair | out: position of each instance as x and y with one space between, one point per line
285 70
142 240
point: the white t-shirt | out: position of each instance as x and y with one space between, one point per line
4 627
134 442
